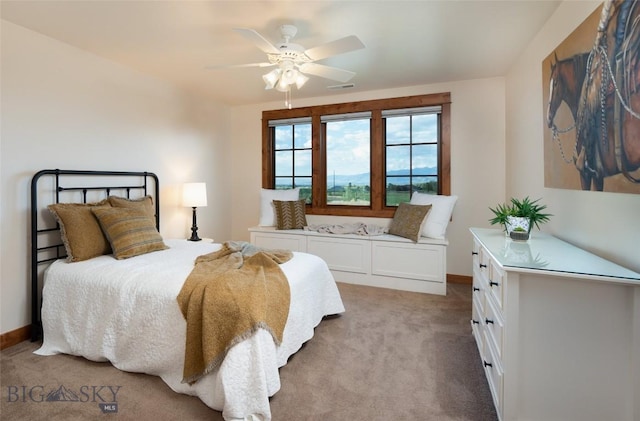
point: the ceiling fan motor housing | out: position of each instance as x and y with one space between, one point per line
288 32
289 51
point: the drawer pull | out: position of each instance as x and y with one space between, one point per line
486 364
476 289
483 266
474 253
488 321
492 284
475 322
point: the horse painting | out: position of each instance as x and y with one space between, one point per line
601 88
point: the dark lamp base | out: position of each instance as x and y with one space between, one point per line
194 228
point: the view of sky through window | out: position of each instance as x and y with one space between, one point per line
411 148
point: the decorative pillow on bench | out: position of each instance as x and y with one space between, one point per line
408 220
267 196
290 215
438 218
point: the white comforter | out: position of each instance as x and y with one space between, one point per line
125 311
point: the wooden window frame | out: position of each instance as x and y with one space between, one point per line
377 206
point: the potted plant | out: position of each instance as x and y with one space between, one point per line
519 216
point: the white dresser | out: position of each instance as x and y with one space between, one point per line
558 329
386 261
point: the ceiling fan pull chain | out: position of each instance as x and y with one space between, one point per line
287 98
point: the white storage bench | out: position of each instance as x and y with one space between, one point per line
386 261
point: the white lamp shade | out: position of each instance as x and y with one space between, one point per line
194 195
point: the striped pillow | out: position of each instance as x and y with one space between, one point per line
130 231
290 215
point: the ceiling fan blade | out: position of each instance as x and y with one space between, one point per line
339 46
236 66
327 72
260 41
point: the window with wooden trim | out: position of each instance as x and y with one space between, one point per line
361 158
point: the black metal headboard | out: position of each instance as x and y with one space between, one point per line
73 186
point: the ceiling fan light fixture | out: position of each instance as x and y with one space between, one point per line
283 86
301 79
289 76
271 78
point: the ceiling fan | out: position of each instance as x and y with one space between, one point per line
293 62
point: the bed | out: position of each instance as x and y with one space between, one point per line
125 311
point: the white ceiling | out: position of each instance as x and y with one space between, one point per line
407 42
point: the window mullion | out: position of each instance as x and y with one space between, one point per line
377 161
319 159
444 153
268 155
410 155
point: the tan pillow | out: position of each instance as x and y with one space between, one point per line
408 219
290 215
130 231
80 230
145 203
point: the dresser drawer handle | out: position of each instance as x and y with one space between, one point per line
476 289
492 284
486 364
475 322
483 266
487 321
474 253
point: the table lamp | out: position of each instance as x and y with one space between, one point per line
194 195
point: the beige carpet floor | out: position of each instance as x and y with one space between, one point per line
392 355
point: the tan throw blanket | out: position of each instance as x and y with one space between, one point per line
228 296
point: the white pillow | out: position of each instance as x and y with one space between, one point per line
438 217
267 196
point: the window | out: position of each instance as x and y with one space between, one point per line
411 150
361 158
292 155
347 141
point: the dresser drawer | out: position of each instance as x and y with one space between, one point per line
481 261
478 292
495 281
494 325
494 372
477 325
475 251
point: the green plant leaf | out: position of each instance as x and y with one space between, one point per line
525 208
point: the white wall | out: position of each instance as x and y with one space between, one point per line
477 159
604 223
65 108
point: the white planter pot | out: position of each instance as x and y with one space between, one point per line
514 222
